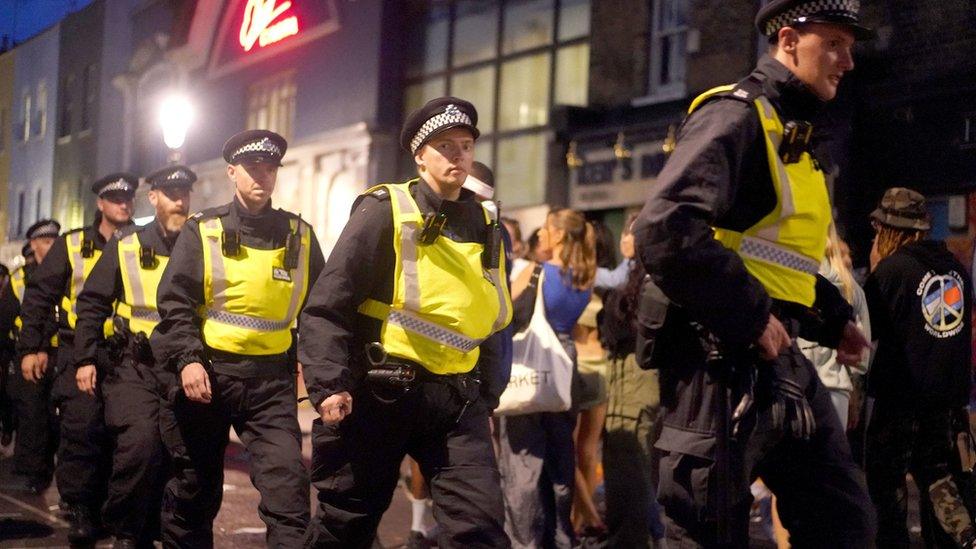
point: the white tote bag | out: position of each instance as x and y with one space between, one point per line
542 372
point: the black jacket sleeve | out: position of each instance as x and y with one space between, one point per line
97 302
833 313
675 241
44 290
177 341
360 262
9 310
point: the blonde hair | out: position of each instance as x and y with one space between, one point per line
579 247
889 239
836 256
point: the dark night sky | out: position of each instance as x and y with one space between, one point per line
25 18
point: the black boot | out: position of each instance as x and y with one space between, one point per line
81 529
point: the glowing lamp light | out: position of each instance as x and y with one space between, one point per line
175 116
262 26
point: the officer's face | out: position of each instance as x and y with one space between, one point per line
820 55
448 157
41 245
255 181
116 207
172 206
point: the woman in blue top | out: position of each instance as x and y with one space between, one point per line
537 458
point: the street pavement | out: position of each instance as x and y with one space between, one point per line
35 521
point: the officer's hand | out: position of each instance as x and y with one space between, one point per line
33 366
86 377
335 408
774 339
852 345
196 383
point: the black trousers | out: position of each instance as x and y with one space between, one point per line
822 497
131 397
263 412
37 422
355 466
85 452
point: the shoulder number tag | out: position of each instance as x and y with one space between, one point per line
278 273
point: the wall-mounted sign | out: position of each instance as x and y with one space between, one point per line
266 22
604 181
253 30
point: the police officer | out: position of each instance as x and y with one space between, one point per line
733 233
83 454
397 339
229 297
124 281
919 298
37 426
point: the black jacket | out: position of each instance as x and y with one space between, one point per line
334 334
718 175
177 341
51 281
920 300
104 288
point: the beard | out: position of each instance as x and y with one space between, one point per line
174 221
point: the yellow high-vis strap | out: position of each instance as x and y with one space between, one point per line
81 267
139 284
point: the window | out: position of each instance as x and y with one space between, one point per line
271 105
3 129
25 124
669 39
514 60
969 131
88 102
67 106
40 112
37 205
21 199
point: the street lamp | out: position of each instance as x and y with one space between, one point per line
175 117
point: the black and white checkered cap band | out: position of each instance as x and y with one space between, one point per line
265 146
837 8
178 175
451 116
120 185
48 229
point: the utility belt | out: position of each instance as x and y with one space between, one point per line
123 339
390 378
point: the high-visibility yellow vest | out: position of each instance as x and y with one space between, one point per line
784 249
445 303
139 284
251 301
81 267
19 284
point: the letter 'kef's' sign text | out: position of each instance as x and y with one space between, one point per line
262 24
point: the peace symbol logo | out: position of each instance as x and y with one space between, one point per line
943 303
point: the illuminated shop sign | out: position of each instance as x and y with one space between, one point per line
266 22
253 30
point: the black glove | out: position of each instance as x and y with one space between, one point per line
790 410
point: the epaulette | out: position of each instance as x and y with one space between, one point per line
78 230
127 230
748 89
210 213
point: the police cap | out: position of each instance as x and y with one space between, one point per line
255 146
171 176
435 117
122 182
791 13
43 228
902 208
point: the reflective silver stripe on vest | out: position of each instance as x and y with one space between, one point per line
429 330
408 250
19 286
144 313
134 281
249 322
218 286
787 208
496 278
78 267
762 250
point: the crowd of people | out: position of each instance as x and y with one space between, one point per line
546 393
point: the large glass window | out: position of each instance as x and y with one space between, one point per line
67 106
271 105
88 104
25 128
514 60
40 111
669 39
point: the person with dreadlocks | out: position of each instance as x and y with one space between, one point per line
919 300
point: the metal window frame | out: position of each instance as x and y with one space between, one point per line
656 90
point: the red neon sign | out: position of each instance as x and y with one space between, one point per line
262 25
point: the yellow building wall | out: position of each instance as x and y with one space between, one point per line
6 135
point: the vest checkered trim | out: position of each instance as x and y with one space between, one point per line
837 8
451 115
763 250
249 322
432 331
143 313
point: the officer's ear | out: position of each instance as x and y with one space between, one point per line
153 199
232 172
418 158
788 37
